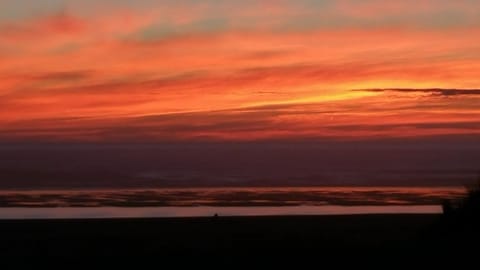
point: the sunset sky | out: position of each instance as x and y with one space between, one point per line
156 71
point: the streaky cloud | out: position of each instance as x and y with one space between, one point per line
434 91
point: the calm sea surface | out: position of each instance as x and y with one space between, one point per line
193 202
205 211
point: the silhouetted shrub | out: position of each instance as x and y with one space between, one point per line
468 208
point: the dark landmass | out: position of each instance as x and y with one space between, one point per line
225 236
219 240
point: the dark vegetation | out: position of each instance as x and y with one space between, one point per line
467 209
459 226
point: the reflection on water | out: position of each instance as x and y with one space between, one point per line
311 196
205 211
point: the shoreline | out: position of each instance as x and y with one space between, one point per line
208 211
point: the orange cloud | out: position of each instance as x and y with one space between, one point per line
177 76
381 116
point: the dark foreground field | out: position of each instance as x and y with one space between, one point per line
228 239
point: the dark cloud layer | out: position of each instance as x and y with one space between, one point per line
434 91
63 75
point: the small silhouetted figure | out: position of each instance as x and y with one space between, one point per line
215 216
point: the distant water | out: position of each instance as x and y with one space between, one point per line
223 201
206 211
277 196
